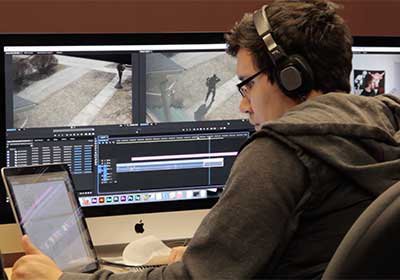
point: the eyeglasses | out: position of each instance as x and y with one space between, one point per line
245 85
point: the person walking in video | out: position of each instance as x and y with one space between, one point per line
211 83
120 69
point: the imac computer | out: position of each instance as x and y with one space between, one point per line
148 124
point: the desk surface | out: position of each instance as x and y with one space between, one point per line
102 251
114 269
114 251
8 272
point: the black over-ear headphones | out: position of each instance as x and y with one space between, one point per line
293 74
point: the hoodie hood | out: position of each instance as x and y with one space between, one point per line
357 136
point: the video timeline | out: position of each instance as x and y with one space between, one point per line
165 162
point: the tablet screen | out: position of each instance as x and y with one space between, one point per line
47 210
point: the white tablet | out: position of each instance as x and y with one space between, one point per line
46 208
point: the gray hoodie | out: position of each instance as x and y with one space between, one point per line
294 191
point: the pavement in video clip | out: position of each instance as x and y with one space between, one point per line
79 92
82 91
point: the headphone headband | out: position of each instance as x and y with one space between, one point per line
293 74
264 30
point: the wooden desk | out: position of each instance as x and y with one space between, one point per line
114 269
8 272
102 251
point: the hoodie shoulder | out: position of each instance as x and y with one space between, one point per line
356 135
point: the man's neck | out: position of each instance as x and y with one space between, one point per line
314 93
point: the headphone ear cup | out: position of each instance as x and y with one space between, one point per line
294 76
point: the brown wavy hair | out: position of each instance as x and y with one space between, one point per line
310 28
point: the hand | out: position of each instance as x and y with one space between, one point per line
176 254
34 265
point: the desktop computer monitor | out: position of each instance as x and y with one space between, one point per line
148 124
376 66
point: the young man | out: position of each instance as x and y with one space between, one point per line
318 158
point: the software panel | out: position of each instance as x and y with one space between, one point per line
148 124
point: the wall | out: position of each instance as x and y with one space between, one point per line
365 17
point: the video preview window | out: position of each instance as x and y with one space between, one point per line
51 90
375 74
191 86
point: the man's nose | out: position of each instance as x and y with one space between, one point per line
244 105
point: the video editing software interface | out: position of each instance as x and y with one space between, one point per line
134 123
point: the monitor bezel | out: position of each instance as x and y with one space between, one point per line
376 41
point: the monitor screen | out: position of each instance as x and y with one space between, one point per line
376 66
147 123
